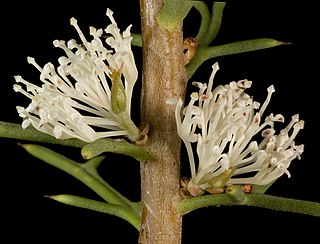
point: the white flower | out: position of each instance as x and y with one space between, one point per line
74 100
225 123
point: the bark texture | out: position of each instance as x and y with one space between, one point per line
164 77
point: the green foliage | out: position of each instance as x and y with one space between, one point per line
173 13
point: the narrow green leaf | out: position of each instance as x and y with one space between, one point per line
205 20
15 131
205 53
101 207
100 146
283 204
257 200
215 23
190 204
173 12
76 170
91 166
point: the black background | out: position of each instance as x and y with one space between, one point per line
28 29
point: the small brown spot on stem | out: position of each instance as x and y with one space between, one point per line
247 188
189 49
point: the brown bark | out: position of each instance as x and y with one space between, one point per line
164 77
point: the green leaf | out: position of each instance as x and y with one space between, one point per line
78 171
205 20
100 146
193 203
205 53
215 23
235 196
101 207
15 131
283 204
173 12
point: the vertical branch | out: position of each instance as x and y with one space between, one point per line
164 77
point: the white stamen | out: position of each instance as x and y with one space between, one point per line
81 84
228 120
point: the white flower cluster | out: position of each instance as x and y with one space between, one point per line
74 100
224 124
